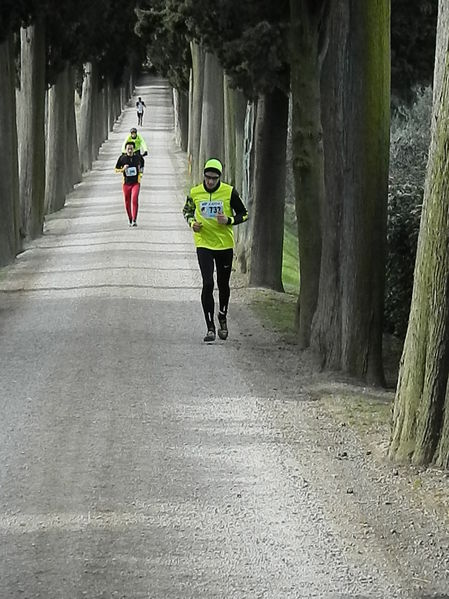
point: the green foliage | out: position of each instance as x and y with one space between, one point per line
410 138
72 36
413 33
164 34
78 31
13 13
115 45
249 38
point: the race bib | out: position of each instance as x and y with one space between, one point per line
211 209
131 171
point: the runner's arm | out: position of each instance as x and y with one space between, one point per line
240 212
119 165
143 146
189 211
141 165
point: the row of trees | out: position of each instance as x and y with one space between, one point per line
332 61
49 50
237 70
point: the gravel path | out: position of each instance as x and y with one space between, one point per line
138 462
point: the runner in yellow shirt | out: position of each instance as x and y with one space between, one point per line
140 147
211 210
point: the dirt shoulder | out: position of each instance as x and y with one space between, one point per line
399 513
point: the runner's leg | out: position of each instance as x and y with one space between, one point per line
127 195
223 261
135 200
206 263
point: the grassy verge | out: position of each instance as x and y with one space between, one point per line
290 263
277 310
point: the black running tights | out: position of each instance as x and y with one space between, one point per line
223 262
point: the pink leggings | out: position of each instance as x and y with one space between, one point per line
131 194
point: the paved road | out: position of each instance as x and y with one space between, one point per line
137 462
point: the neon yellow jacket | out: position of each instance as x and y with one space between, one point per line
139 142
203 206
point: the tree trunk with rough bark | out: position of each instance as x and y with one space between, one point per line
31 129
347 327
244 231
367 126
269 191
229 132
73 167
56 173
87 138
212 118
181 112
326 325
195 110
239 108
307 141
9 181
421 408
98 111
234 132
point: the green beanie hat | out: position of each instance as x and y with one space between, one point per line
213 165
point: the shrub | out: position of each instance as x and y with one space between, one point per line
410 138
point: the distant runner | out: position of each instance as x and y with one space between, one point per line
211 210
140 107
139 144
130 165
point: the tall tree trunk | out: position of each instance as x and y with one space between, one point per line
110 107
347 327
212 118
181 112
98 128
73 168
195 113
116 105
239 109
32 129
9 181
269 191
86 119
307 21
421 408
244 231
367 126
104 107
326 326
229 131
234 130
56 174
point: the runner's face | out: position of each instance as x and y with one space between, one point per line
129 150
211 180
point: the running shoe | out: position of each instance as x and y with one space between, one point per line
134 223
210 336
223 326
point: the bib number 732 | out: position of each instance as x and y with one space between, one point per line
211 209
